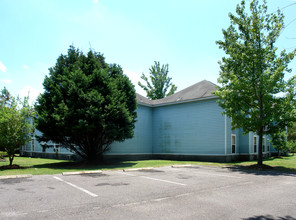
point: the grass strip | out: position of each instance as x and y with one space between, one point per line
39 166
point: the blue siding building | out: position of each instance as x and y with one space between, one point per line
186 125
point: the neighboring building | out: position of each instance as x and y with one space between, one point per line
186 125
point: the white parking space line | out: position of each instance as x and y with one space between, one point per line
161 180
77 187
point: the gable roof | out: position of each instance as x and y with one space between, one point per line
200 90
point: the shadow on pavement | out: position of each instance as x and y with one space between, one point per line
276 171
269 217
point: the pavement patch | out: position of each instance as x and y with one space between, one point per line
218 174
112 184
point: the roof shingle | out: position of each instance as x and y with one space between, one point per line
199 90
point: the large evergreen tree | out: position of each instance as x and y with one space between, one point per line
160 82
87 104
253 72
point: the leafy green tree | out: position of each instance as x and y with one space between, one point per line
292 138
87 104
160 82
292 132
16 128
253 72
279 142
292 146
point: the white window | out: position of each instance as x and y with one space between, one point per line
56 147
33 144
233 143
255 144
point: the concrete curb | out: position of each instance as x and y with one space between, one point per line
185 166
137 169
16 176
82 172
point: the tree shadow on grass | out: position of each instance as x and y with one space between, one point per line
270 217
76 165
85 165
264 170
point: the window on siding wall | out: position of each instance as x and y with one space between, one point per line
233 141
255 144
56 148
33 144
268 145
263 144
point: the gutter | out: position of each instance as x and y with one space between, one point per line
177 102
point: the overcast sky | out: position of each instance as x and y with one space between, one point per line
131 33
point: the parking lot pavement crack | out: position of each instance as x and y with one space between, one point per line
12 214
218 174
151 201
161 199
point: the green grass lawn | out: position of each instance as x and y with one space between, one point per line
286 164
37 166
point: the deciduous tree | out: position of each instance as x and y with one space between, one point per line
279 142
252 73
160 82
15 123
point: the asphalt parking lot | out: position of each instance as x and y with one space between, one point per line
159 193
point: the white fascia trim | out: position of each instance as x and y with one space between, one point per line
225 135
250 147
145 104
178 102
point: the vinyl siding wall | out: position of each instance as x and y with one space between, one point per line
244 142
196 128
141 143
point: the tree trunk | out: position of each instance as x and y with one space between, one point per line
10 160
93 153
260 154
